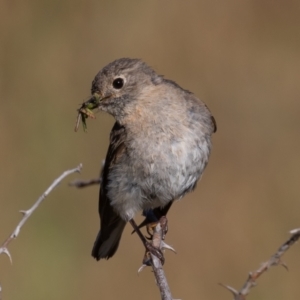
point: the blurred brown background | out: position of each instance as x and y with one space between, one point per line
241 57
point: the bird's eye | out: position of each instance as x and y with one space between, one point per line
118 83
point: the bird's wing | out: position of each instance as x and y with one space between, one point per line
112 225
115 150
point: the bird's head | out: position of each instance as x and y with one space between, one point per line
118 85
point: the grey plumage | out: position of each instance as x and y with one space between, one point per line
159 145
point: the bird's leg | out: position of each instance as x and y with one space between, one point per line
148 245
164 226
150 228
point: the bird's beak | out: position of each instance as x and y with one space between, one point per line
94 101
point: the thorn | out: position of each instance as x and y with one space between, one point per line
5 250
141 268
295 231
282 263
79 168
23 212
229 288
168 247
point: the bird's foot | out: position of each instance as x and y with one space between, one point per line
150 229
163 221
151 249
157 244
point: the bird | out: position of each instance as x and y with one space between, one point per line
159 146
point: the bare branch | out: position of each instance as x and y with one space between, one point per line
27 213
159 273
85 183
274 260
159 232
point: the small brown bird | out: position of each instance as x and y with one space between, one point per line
159 146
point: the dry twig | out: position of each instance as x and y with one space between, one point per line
78 183
28 213
159 273
85 183
275 260
159 232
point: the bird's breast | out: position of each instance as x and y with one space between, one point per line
165 165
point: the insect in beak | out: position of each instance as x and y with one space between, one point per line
85 111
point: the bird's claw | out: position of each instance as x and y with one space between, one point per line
151 226
150 249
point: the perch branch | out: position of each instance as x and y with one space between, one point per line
274 260
158 270
159 232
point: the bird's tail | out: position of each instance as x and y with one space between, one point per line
108 239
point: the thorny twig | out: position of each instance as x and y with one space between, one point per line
159 232
27 213
158 270
275 260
